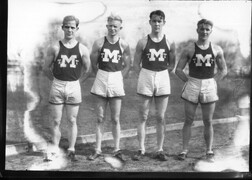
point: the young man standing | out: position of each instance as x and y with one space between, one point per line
67 65
200 85
154 59
110 59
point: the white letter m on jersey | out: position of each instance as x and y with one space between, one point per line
159 54
108 55
206 59
70 61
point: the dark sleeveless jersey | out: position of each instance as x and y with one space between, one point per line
110 58
68 64
202 63
155 56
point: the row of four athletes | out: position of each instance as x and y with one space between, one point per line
154 59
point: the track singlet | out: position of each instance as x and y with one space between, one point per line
155 56
202 63
68 64
110 57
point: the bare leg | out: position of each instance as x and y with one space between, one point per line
161 106
72 113
207 113
56 114
101 113
115 107
190 110
143 114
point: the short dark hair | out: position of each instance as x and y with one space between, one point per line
71 18
205 21
159 13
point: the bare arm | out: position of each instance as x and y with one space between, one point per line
48 65
126 59
221 64
94 56
86 68
137 56
181 65
172 57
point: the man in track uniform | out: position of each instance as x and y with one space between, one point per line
67 64
154 59
110 59
200 86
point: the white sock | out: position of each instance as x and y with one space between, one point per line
71 149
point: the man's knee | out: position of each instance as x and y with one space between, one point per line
160 118
207 122
72 120
143 115
115 120
189 121
100 118
56 121
143 118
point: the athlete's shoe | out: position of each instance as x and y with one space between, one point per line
92 157
210 157
161 156
119 155
138 156
182 156
71 156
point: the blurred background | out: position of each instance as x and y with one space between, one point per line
34 24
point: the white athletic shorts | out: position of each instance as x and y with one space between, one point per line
200 90
65 92
108 84
153 83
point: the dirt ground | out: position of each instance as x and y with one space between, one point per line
223 147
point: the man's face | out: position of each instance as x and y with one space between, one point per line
114 26
157 23
204 31
69 29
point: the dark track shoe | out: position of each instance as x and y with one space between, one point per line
71 156
161 156
94 156
210 157
182 156
118 154
138 156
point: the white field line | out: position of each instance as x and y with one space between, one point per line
23 147
149 130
